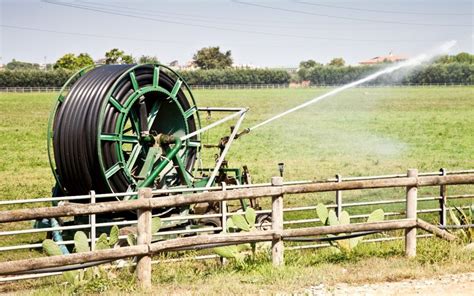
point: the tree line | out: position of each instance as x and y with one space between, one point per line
206 58
214 67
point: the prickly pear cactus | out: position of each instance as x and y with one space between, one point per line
329 217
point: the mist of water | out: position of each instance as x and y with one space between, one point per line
411 63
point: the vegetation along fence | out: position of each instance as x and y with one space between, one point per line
279 229
250 86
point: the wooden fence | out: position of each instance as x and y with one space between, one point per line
277 235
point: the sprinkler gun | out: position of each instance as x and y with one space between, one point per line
243 132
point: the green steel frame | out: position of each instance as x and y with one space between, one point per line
151 170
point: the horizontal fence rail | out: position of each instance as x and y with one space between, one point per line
219 196
206 240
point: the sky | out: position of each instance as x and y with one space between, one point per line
278 33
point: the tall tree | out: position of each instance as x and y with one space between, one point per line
67 61
338 62
83 60
309 64
212 58
117 56
70 61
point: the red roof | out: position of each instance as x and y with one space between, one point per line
383 59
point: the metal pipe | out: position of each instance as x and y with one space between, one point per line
224 152
227 118
162 165
221 109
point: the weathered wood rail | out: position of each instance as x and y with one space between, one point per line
145 249
218 196
213 240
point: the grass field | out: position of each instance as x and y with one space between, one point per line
359 132
365 131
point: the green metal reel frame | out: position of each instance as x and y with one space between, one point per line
124 110
124 115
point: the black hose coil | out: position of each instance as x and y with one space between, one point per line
75 127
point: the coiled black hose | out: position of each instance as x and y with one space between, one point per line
76 128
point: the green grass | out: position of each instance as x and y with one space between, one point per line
359 132
366 131
367 264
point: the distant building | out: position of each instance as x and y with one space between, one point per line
244 66
190 65
390 58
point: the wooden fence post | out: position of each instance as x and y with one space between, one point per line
411 207
144 238
442 201
277 225
338 197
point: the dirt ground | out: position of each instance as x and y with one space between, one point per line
457 284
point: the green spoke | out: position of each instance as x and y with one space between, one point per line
133 156
153 112
110 137
133 78
135 121
156 76
188 113
116 138
116 104
129 139
176 88
113 169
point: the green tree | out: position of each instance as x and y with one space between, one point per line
70 61
338 62
17 65
148 60
212 58
67 61
309 64
117 56
464 57
83 60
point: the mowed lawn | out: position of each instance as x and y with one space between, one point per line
364 131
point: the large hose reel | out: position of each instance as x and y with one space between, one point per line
118 128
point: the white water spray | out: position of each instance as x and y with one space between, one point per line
445 48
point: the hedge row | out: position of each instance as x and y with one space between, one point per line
435 73
462 73
236 76
34 78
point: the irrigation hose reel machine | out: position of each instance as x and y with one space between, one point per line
118 128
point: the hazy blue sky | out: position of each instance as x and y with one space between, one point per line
260 32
